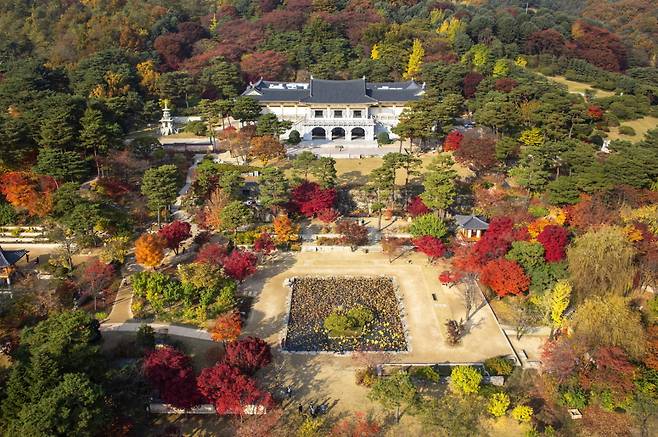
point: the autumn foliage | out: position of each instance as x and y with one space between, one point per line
358 426
309 198
286 231
170 372
28 191
264 244
248 354
229 390
211 253
174 234
452 141
495 243
227 327
504 277
554 239
239 264
417 207
149 250
430 246
328 215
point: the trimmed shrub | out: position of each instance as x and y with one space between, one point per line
499 366
383 138
465 380
426 373
197 128
294 137
626 130
522 413
498 404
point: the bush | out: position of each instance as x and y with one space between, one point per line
101 315
246 237
348 324
612 119
428 224
294 137
626 130
145 337
498 404
426 373
522 413
383 138
465 380
499 366
454 331
573 398
8 214
197 128
538 211
366 377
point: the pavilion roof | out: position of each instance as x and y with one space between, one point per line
471 222
10 257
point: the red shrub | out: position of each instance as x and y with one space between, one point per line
170 372
430 246
229 390
417 207
239 264
211 253
504 277
175 233
309 199
452 141
554 238
248 354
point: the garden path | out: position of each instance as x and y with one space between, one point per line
179 331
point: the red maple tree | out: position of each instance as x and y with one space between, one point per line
470 83
264 244
248 354
505 84
554 238
229 390
353 234
452 141
175 233
170 372
417 207
96 277
239 264
430 246
227 327
560 359
309 198
268 65
450 278
28 191
595 112
328 215
611 370
504 277
495 243
211 253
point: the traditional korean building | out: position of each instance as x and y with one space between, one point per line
8 260
336 109
470 227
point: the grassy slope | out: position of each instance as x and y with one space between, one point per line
641 126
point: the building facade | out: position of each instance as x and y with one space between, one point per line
336 109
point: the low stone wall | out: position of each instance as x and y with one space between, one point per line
340 249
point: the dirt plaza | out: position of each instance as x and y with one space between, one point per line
428 305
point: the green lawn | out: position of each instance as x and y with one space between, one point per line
579 87
641 126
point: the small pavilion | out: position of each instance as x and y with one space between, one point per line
8 261
470 227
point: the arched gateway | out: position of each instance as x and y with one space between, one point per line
338 133
318 133
358 133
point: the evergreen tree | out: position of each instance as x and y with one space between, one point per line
439 184
160 186
95 135
324 171
272 187
246 109
304 163
269 124
60 164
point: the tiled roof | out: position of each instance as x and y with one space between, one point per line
471 222
334 91
10 257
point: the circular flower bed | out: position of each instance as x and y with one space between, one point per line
314 299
